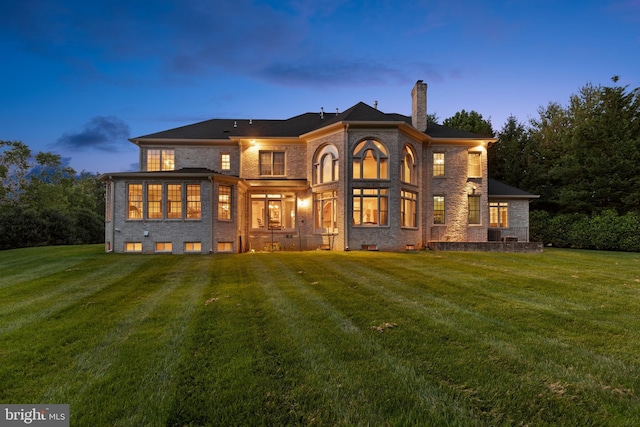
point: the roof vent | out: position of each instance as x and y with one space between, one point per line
375 104
336 111
235 124
250 121
322 112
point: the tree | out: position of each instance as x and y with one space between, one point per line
471 122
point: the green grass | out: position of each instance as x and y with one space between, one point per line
323 338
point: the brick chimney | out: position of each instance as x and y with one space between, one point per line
419 106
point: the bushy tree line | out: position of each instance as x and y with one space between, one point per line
44 202
583 159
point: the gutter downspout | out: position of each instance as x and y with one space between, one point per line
346 188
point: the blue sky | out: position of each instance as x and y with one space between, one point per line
79 77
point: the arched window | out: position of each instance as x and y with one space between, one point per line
325 165
370 160
408 166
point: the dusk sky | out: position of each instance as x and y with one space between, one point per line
79 78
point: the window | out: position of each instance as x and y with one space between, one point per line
272 163
224 202
474 165
225 247
108 192
438 209
174 201
160 160
370 161
154 201
408 209
133 247
326 165
225 161
164 247
326 213
134 195
408 166
438 164
273 211
193 201
474 209
193 247
499 214
370 206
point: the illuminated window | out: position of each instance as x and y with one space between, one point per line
174 201
158 160
133 247
408 166
499 214
408 209
474 165
193 201
370 206
154 201
273 211
193 247
326 165
225 247
438 164
164 247
474 209
225 162
224 202
326 213
370 161
272 163
438 210
134 195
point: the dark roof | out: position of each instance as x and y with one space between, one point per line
296 126
500 189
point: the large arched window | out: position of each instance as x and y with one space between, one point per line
408 166
325 165
370 160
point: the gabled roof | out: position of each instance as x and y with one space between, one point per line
216 129
499 189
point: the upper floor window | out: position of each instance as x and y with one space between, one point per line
474 164
225 161
326 165
370 160
438 164
499 214
224 202
272 163
408 166
160 160
134 198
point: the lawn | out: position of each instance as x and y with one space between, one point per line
323 338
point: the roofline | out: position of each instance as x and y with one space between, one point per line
184 141
512 196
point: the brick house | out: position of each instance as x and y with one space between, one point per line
360 179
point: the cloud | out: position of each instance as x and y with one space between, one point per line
99 133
